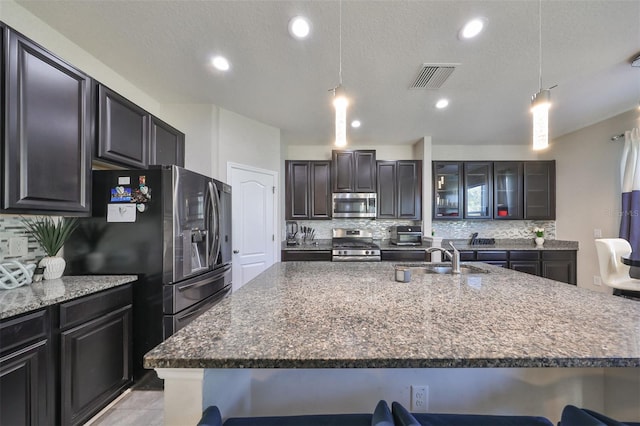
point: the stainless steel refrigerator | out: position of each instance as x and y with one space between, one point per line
172 228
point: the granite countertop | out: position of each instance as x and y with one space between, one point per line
514 244
49 292
501 244
355 315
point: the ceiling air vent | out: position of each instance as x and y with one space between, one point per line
432 76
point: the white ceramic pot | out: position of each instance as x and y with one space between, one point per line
53 267
539 241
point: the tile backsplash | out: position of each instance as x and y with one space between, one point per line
462 229
379 227
11 226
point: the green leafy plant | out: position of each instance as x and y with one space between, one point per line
51 234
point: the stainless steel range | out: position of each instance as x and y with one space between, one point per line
354 245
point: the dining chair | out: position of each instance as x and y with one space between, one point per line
613 272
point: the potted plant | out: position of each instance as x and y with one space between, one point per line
539 236
51 235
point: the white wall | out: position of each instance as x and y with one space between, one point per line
482 152
323 152
199 123
588 187
245 141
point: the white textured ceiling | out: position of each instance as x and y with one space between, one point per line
164 47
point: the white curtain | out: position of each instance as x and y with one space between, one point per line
630 175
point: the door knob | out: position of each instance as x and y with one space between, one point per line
236 251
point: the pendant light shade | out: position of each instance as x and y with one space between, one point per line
540 104
340 103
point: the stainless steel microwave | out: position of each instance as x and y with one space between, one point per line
354 204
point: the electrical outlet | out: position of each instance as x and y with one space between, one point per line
419 398
597 280
18 246
597 233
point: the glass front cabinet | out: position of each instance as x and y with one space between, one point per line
508 185
447 179
478 192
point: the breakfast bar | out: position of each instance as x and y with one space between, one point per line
336 325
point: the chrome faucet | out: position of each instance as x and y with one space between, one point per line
453 256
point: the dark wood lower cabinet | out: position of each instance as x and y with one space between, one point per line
64 363
26 370
558 265
96 361
418 255
306 255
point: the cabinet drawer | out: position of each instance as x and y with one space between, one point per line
89 307
524 255
467 256
491 255
403 255
558 255
17 332
306 255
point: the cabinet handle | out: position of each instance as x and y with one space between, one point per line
236 251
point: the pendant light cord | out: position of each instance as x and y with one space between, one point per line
340 43
540 40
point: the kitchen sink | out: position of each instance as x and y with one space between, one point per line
440 268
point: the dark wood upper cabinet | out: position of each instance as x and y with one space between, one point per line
167 144
399 189
540 190
478 190
308 189
123 130
354 171
47 132
498 190
507 190
447 190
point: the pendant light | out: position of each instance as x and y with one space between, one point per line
340 101
540 102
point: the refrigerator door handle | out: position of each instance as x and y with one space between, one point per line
214 220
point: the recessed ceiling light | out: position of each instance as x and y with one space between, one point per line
355 124
472 28
299 27
442 103
221 63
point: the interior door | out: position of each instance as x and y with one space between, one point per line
254 215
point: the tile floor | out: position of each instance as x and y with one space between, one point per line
136 407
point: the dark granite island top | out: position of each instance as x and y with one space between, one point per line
355 315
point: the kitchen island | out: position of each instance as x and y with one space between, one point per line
339 324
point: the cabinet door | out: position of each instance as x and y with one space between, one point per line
478 190
297 189
527 266
27 371
409 187
507 190
123 130
320 191
386 188
540 190
559 265
342 171
167 144
447 191
95 364
47 162
365 171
